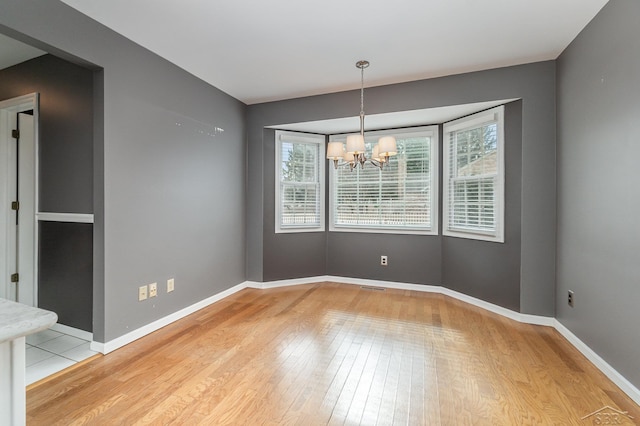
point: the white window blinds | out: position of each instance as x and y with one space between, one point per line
299 182
474 176
400 198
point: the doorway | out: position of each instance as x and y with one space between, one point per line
18 201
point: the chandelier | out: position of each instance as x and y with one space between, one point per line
355 153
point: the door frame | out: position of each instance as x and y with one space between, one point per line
8 117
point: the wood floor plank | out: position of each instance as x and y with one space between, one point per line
328 353
315 410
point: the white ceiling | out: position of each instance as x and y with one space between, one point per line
391 120
259 50
13 52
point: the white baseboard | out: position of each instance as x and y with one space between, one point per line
517 316
286 283
617 378
602 365
626 386
119 342
71 331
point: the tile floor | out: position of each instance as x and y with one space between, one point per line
51 351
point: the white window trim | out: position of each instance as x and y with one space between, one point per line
489 116
434 168
302 138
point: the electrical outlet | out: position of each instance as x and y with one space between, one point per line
570 298
153 289
383 260
170 285
142 293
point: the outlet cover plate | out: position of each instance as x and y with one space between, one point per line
142 293
153 289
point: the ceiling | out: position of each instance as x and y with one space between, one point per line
13 52
259 51
391 120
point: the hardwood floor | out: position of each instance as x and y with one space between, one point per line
334 354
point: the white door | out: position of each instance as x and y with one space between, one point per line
18 190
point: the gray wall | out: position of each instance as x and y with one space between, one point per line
66 129
491 271
65 152
164 206
65 272
287 255
598 178
526 285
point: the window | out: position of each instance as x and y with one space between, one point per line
474 176
402 198
299 182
